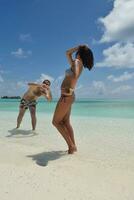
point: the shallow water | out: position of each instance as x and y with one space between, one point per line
84 108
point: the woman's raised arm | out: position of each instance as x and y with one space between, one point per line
69 53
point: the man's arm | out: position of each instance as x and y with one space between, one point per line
33 84
47 94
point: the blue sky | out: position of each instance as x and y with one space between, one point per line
36 33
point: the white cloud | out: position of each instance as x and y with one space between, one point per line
118 56
98 87
122 90
20 53
101 89
124 77
25 37
79 87
21 84
59 78
93 90
119 23
118 26
44 77
57 81
12 88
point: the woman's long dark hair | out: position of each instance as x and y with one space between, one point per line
86 56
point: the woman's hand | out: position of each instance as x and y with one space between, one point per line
72 50
69 53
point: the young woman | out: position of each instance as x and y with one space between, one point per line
29 100
61 120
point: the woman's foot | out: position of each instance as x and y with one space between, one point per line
72 149
75 148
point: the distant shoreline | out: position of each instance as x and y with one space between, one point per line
10 97
97 100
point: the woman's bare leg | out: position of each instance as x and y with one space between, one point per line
60 112
33 116
20 116
68 127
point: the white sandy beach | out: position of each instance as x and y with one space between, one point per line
37 167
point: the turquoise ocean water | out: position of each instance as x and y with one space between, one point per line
83 108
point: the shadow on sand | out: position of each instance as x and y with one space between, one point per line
42 159
20 133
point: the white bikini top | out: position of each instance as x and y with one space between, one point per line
69 71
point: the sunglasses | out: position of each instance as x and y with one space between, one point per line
47 83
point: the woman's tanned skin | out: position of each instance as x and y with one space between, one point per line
61 119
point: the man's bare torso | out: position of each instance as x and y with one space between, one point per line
33 93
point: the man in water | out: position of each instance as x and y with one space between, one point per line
29 100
